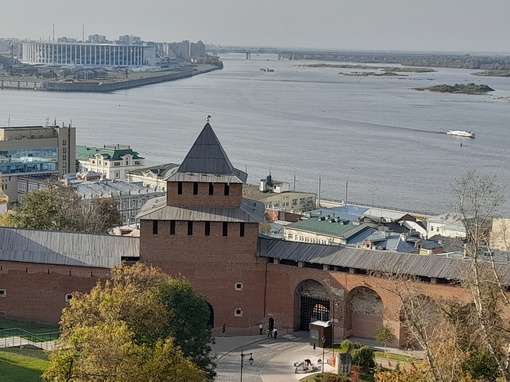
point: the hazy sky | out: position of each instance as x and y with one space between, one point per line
421 25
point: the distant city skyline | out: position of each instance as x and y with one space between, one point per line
401 25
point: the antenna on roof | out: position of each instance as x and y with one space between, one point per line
208 118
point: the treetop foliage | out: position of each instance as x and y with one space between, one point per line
141 325
61 209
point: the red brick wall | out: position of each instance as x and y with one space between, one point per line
203 199
36 292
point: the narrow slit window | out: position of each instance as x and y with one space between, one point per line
225 229
172 227
179 188
154 227
190 228
241 230
211 189
195 188
227 189
207 228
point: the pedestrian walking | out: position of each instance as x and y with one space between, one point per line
260 329
275 333
269 333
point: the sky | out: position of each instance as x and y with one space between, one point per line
398 25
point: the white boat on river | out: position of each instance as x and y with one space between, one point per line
461 133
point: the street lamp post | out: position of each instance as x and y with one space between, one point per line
250 360
323 345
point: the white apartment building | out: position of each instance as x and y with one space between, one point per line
113 161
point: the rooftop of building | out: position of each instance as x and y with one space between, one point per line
111 187
161 171
109 152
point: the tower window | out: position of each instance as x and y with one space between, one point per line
190 227
238 312
179 188
211 189
207 228
225 228
227 189
195 188
154 227
172 227
241 230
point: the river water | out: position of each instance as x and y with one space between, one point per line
377 135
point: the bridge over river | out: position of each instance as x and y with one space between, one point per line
427 59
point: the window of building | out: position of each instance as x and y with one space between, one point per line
68 297
238 312
225 228
64 150
211 188
154 227
227 189
179 188
241 230
195 188
172 227
64 157
3 293
207 228
238 286
64 142
21 186
32 187
117 174
190 227
137 162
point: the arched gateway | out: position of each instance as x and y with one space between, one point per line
311 303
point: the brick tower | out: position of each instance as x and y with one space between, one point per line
206 231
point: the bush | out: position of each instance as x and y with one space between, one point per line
364 357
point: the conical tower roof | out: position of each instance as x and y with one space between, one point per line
207 157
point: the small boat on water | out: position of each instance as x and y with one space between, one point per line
461 133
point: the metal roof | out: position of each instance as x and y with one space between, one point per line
65 248
111 152
250 211
207 156
372 260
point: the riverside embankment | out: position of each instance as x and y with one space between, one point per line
129 80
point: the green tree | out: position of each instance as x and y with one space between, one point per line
6 219
138 307
61 209
189 323
384 334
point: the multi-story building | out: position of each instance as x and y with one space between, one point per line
35 151
87 54
154 177
130 197
113 161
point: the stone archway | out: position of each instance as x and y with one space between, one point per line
310 303
364 312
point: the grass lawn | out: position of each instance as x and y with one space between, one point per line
22 365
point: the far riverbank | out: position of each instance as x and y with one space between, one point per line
109 84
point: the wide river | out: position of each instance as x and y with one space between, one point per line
377 135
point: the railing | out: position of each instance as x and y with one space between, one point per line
15 337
